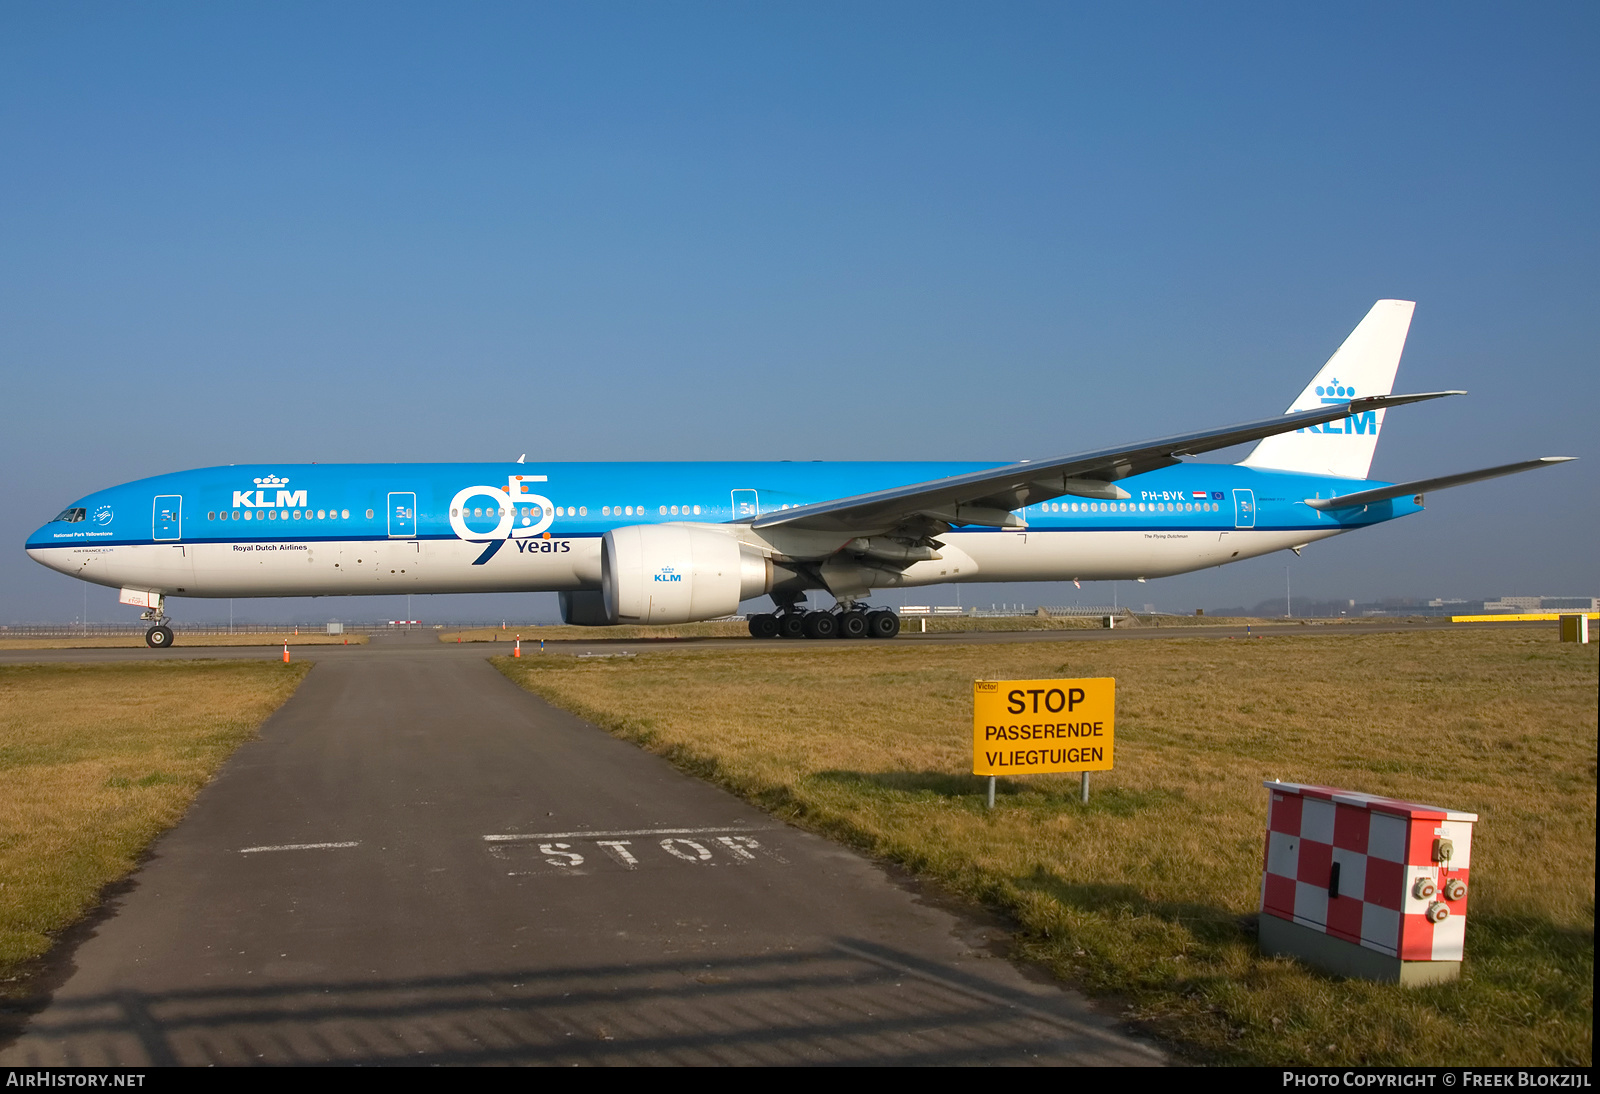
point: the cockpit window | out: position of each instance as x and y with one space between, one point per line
70 516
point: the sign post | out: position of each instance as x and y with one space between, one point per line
1037 727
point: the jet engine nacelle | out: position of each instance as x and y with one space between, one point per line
677 573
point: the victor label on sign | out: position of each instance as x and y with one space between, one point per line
1031 727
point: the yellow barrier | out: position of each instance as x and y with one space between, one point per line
1509 617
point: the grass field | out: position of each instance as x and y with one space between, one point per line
1148 896
95 762
119 641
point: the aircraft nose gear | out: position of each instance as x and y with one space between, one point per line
159 636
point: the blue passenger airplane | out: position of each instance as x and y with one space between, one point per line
659 543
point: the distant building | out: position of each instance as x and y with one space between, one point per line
1443 606
1531 604
1570 603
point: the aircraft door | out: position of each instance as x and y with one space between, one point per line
167 517
402 516
746 506
1244 508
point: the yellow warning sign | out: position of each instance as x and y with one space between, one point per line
1030 727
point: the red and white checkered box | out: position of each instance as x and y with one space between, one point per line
1368 870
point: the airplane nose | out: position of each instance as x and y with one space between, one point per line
53 560
45 545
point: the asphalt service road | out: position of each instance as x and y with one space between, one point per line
417 862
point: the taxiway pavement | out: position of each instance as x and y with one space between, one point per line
419 863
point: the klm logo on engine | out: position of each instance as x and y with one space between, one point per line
258 498
1332 395
668 574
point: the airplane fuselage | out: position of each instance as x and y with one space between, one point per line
331 530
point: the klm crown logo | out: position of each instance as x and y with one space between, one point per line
1334 393
269 494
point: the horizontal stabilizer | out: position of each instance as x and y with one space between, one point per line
1400 490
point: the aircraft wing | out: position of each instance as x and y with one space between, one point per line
1400 490
988 497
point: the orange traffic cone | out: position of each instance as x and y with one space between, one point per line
286 653
516 651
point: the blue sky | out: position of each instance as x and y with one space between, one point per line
342 232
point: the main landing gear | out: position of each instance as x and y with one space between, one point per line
851 623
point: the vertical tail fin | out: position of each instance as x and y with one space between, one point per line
1364 365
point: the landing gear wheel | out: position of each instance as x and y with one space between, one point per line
792 625
883 624
158 638
821 625
763 626
854 625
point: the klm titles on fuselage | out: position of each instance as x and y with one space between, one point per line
286 499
